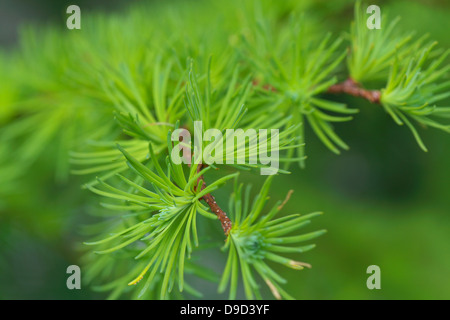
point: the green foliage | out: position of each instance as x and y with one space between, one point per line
162 219
414 87
256 239
372 50
113 95
414 83
293 66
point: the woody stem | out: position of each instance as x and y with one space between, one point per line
353 88
210 200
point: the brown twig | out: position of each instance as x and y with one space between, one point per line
288 196
267 87
349 86
210 200
353 88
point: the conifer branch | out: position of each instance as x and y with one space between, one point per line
271 74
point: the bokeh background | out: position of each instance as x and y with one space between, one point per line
385 201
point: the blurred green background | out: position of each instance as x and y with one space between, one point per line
385 201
